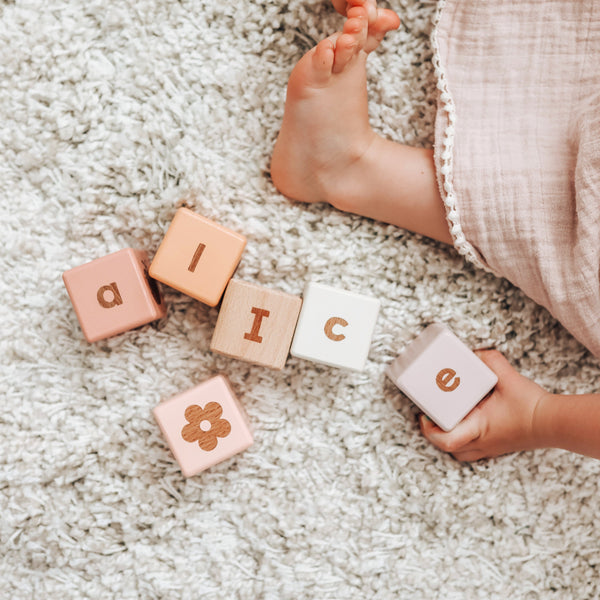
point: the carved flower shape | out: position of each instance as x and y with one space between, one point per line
205 425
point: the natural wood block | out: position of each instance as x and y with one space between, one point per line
335 327
442 376
204 425
256 324
197 256
113 294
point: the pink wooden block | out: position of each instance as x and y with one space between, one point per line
204 425
441 376
113 294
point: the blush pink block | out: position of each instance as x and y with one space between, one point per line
442 376
197 256
114 294
213 395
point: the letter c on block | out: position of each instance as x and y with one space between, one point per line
331 323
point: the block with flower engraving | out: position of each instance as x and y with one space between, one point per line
204 425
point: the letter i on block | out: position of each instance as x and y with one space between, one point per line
442 376
204 425
197 256
335 327
113 294
256 324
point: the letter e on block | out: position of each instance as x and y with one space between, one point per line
446 380
441 375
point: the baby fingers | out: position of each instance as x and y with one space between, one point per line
460 440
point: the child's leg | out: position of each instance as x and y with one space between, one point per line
326 150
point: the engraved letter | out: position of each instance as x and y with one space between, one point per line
259 313
446 380
331 323
199 250
116 300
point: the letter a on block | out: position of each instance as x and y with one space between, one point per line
104 308
116 296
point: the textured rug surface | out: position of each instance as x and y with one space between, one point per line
113 115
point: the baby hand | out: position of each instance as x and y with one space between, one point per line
501 423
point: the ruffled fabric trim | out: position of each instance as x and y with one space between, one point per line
444 151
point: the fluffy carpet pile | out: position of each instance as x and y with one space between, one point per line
113 115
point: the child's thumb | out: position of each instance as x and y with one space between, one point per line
466 432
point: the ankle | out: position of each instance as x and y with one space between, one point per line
348 188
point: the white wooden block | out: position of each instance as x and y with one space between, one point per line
335 327
443 377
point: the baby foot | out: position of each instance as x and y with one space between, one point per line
340 6
380 20
325 130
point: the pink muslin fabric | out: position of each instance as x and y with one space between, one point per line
517 147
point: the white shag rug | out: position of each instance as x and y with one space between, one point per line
113 114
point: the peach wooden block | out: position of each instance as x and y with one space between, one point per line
204 425
441 376
197 256
113 294
256 324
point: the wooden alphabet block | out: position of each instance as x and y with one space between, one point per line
197 256
335 327
443 377
204 425
256 324
113 294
